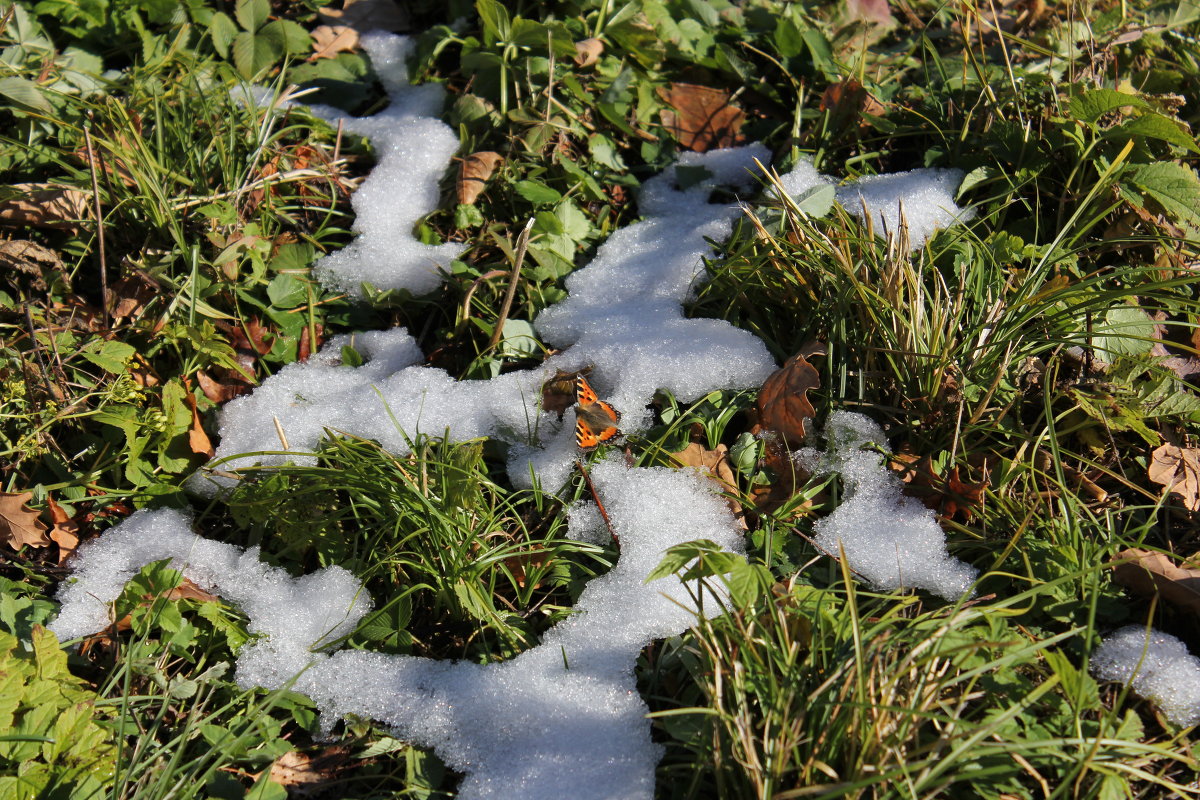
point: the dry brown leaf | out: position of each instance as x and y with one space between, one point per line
716 464
367 15
20 525
783 406
46 205
65 532
224 390
197 439
306 347
187 590
129 295
302 773
1178 469
848 101
1148 573
20 257
473 173
949 495
701 118
329 40
588 52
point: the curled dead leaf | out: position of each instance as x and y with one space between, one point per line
1177 469
46 205
304 773
198 440
329 40
19 525
702 118
588 52
1148 573
848 101
65 531
473 173
715 464
783 406
31 261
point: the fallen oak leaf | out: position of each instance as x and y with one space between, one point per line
700 117
1177 469
329 40
19 525
473 173
1149 573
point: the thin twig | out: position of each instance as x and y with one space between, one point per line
87 138
522 245
596 496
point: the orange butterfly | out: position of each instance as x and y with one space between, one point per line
595 420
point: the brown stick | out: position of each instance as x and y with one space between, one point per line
596 496
87 138
522 244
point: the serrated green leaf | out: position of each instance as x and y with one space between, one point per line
222 31
1155 126
254 53
289 37
251 14
1123 331
1095 103
109 356
1171 185
287 291
537 192
25 94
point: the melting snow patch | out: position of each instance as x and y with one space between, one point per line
623 318
563 719
412 148
1157 666
923 198
891 540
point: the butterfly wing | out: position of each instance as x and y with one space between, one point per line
595 420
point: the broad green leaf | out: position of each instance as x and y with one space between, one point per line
1155 126
1124 330
287 291
24 93
1171 185
519 340
289 37
1095 103
109 356
251 14
537 192
817 200
254 53
497 25
222 31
